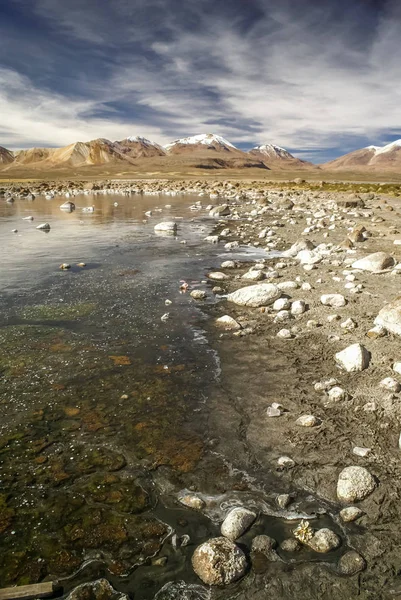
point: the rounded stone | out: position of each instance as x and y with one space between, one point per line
307 421
237 521
354 484
351 513
219 561
324 540
290 545
351 563
263 544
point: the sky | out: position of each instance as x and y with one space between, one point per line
317 77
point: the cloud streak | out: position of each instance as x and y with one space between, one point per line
320 79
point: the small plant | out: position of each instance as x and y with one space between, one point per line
303 532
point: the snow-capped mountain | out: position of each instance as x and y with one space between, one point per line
385 158
200 143
276 157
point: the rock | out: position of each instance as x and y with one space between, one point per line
324 540
348 324
326 384
397 367
96 590
192 501
307 421
281 304
390 384
298 307
290 545
376 332
198 294
228 323
285 334
288 285
334 300
282 315
263 544
362 452
283 500
354 484
228 264
286 462
212 239
167 227
272 411
390 317
354 358
253 275
180 590
374 263
337 393
298 247
351 201
237 521
356 235
219 562
220 211
350 514
65 266
165 317
261 294
218 276
309 257
44 227
351 563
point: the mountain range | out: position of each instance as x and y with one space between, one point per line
204 151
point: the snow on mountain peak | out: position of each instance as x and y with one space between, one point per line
143 140
386 148
203 138
273 150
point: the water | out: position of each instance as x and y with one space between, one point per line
103 405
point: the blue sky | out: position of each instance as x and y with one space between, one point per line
319 78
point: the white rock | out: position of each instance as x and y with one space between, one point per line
261 294
351 513
282 304
325 384
297 247
324 540
220 211
397 368
307 421
165 317
359 451
306 287
219 561
377 332
44 226
284 334
374 263
354 484
288 285
348 324
228 323
253 275
282 315
390 384
390 317
228 264
237 522
309 257
198 294
286 462
218 276
273 411
336 394
334 300
298 307
354 358
212 239
192 501
167 227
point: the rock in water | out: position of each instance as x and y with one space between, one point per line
374 263
351 563
220 211
354 484
354 358
324 540
390 317
44 226
180 590
261 294
237 522
96 590
219 561
167 227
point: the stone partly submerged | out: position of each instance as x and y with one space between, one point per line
390 317
219 561
261 294
169 227
374 263
180 590
96 590
44 227
237 521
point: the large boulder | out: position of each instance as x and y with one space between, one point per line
374 263
219 561
390 317
237 521
354 358
261 294
354 484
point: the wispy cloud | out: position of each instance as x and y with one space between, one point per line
308 76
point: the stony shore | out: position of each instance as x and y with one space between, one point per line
308 409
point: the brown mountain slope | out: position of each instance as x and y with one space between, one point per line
276 158
6 157
139 147
373 158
